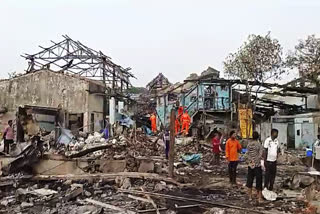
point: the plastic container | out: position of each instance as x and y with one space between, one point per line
309 153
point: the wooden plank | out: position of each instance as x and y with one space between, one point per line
172 142
152 176
151 210
139 198
176 207
151 201
187 206
109 206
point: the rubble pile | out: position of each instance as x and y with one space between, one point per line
290 158
72 197
120 146
128 174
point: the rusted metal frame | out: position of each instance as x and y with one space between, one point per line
56 59
67 55
49 48
63 58
77 46
275 93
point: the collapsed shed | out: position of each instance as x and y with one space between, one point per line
71 78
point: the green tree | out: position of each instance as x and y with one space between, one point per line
306 58
258 59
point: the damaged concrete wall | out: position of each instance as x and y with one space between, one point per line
96 110
45 88
51 89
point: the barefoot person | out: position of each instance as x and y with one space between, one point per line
255 165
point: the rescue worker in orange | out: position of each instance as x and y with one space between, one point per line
185 122
153 120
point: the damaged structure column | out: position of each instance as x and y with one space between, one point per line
112 113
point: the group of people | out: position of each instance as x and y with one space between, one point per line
182 122
260 157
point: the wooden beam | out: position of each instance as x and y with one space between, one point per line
139 198
150 200
152 176
109 206
172 142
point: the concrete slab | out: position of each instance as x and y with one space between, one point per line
146 166
107 166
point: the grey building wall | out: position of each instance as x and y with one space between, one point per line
51 89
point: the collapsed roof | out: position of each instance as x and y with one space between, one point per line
76 58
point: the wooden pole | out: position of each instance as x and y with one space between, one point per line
172 141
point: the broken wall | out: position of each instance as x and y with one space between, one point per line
51 89
96 111
45 88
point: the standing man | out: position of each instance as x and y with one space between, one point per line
8 137
185 122
255 165
271 150
233 147
216 147
153 120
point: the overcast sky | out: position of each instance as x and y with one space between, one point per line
175 37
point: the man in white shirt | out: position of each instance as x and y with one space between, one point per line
271 150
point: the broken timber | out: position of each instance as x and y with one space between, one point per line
112 176
151 201
109 206
193 200
90 150
172 141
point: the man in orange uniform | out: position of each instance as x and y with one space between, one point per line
185 122
232 148
153 120
177 126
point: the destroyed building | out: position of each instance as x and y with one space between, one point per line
79 99
207 99
71 79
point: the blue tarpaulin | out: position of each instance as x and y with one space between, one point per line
194 158
126 122
147 130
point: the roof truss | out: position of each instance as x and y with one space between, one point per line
76 58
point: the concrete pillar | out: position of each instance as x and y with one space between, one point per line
86 120
112 113
120 106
